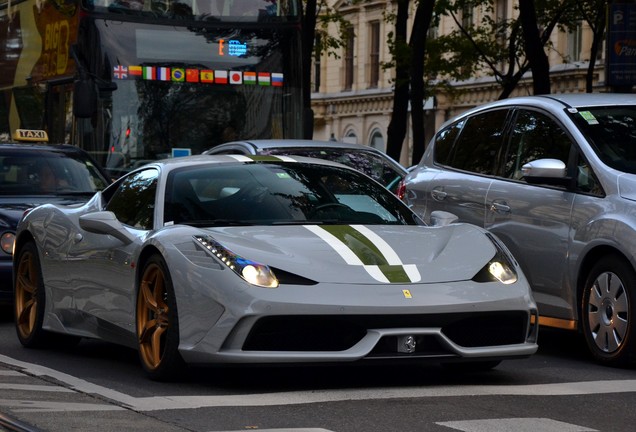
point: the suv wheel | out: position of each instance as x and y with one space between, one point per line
607 311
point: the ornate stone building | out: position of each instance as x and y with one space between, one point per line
352 95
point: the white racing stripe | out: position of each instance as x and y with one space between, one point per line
387 251
341 248
240 158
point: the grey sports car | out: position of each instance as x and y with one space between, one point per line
253 259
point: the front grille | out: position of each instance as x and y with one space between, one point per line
338 333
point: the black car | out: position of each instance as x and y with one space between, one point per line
34 174
373 162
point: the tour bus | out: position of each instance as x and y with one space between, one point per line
136 80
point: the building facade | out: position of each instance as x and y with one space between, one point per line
352 94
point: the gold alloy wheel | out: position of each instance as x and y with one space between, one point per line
152 316
26 290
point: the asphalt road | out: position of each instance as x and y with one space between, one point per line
101 387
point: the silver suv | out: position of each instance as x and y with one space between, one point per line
554 177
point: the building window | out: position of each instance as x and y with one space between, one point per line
374 54
467 17
574 43
348 60
317 64
377 141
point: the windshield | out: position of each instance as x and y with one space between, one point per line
375 166
47 173
275 193
217 10
611 132
173 91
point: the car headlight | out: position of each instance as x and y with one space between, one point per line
501 267
253 272
6 242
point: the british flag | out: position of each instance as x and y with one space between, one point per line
120 72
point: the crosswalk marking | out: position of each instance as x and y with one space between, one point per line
514 424
18 405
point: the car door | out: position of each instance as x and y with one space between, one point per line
104 283
533 220
464 171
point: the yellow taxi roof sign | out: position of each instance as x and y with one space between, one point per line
30 135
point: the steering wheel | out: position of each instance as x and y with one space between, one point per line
322 207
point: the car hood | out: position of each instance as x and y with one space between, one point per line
363 254
12 208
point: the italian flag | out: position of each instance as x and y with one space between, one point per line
150 73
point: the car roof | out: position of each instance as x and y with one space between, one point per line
553 101
67 148
300 143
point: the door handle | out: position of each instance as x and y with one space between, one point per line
499 207
438 195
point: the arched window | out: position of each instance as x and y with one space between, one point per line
377 140
350 137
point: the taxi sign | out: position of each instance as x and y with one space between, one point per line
31 135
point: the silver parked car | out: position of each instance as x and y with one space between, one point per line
554 177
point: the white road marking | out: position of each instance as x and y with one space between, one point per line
31 387
515 424
44 406
157 403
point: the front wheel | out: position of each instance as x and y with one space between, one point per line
157 323
29 298
608 311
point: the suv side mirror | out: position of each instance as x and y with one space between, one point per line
546 171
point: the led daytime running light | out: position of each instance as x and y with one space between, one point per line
251 271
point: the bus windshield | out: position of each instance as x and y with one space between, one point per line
219 10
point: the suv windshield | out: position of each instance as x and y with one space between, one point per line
611 131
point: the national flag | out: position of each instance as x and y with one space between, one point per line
135 71
178 74
120 72
249 77
263 78
207 76
149 73
163 74
277 79
192 75
220 77
236 77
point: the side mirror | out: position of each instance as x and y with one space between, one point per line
442 218
545 171
84 98
105 222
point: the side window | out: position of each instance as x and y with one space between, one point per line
480 142
534 136
134 200
586 180
444 141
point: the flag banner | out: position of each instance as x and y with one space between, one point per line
249 77
149 73
135 71
263 78
220 77
277 79
192 75
178 75
163 74
236 77
207 76
120 72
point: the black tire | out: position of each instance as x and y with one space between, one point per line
157 322
29 298
607 311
